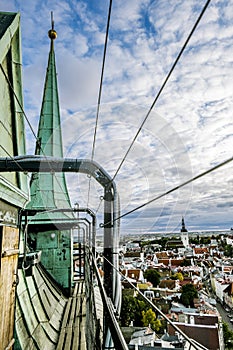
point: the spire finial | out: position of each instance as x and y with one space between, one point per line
52 33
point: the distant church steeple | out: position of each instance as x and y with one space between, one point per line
183 228
51 231
184 234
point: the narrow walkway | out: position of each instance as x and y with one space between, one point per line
72 334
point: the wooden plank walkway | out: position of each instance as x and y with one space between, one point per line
72 335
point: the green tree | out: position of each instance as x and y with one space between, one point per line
152 276
177 276
128 307
186 262
149 318
163 241
141 306
227 336
228 250
188 293
136 309
131 308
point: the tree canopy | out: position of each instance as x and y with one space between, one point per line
137 310
188 294
152 276
149 319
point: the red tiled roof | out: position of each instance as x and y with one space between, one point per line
163 261
199 251
167 284
161 255
186 281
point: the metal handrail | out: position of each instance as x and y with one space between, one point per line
110 318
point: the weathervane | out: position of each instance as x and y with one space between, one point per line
52 33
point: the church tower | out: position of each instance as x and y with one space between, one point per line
50 231
184 234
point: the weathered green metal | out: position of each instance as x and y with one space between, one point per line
6 19
13 187
49 190
111 208
56 244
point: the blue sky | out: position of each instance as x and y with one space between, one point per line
190 128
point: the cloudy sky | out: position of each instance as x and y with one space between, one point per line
190 128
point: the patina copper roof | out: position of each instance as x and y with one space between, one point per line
49 190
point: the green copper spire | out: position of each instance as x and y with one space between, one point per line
49 190
49 139
50 232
